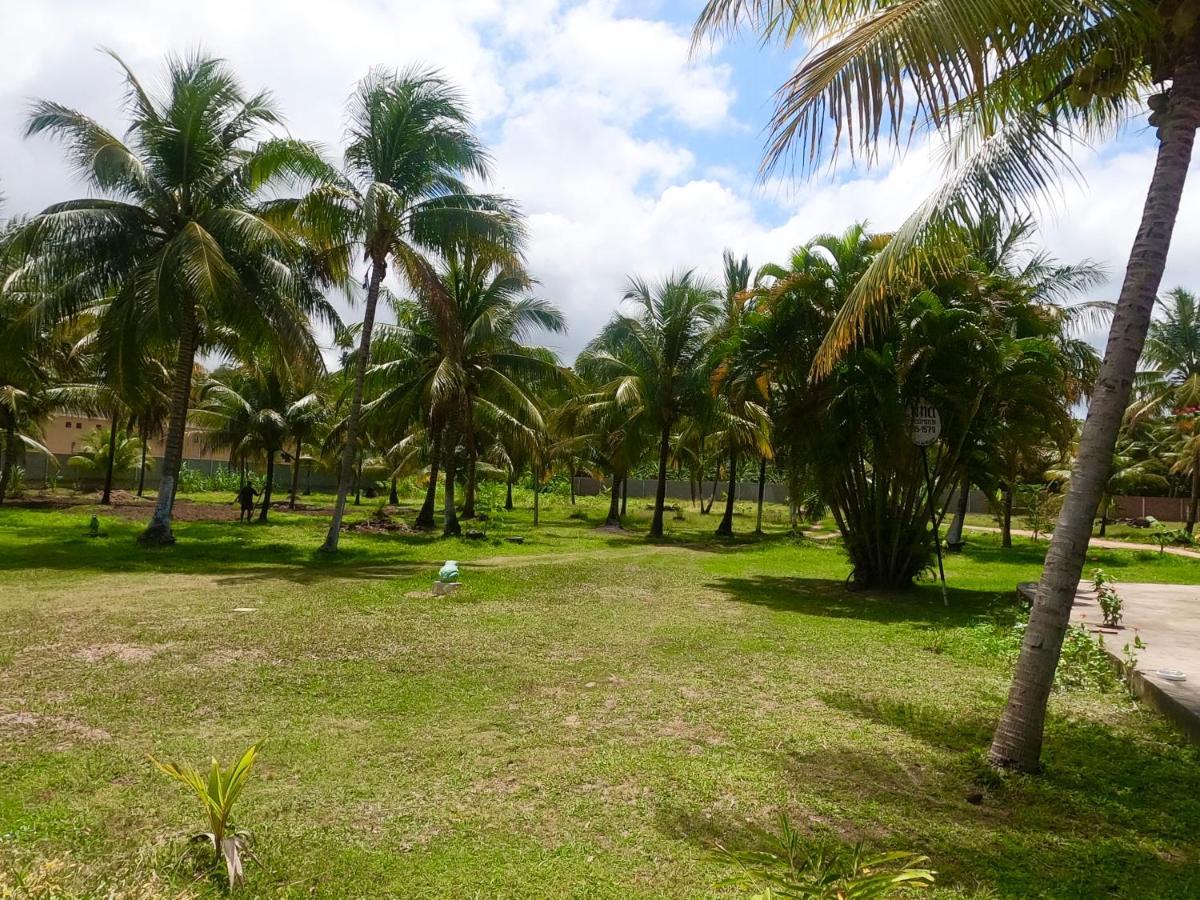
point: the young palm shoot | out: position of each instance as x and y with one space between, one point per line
218 792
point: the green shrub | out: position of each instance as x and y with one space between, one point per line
222 478
1083 665
824 869
1111 605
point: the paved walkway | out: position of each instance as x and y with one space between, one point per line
1167 619
1097 542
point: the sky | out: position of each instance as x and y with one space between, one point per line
626 153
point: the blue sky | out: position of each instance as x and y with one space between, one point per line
627 155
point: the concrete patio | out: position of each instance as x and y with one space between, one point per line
1167 619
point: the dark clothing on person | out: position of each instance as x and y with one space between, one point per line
246 499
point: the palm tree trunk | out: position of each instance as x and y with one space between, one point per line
1006 519
614 504
537 491
1194 506
469 497
350 451
393 496
571 479
158 532
954 537
1104 518
1018 740
508 504
270 483
142 468
308 479
295 474
106 496
6 458
762 490
712 497
450 524
624 494
425 516
660 492
358 480
725 527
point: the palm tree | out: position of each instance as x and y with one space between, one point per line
458 360
403 193
177 237
253 408
739 383
1172 384
786 316
651 362
1007 106
305 419
35 354
104 455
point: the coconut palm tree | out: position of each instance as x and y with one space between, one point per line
458 361
1008 85
403 193
175 233
105 456
36 354
253 409
1172 383
652 360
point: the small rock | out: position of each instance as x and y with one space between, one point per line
475 536
515 539
975 798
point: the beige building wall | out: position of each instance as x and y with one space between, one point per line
65 434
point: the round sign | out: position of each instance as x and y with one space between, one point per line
926 424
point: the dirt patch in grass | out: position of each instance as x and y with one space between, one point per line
128 653
375 526
20 725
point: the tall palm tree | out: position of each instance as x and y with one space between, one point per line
653 360
1008 85
1172 384
36 354
410 150
458 360
175 234
726 337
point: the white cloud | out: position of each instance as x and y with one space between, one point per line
599 123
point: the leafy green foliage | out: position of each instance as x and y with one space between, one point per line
92 457
1082 666
824 870
221 478
1111 604
217 792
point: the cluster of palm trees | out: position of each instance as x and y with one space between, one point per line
209 234
1005 87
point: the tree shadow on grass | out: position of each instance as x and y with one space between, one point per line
208 550
830 597
1114 814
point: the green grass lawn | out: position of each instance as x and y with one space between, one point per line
587 717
